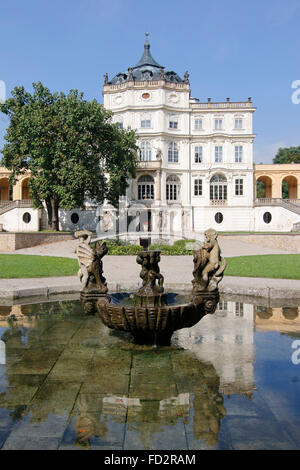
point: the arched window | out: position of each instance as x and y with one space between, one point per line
218 188
146 187
145 151
172 188
173 152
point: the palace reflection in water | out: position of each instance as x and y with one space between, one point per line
67 381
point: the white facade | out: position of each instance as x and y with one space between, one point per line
196 158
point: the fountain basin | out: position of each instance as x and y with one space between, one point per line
152 324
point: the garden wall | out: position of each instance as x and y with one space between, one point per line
15 240
288 241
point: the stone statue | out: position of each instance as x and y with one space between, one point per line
150 272
161 73
107 221
106 79
186 77
130 76
90 263
159 154
209 266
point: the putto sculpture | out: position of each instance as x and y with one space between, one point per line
150 272
148 314
94 285
209 265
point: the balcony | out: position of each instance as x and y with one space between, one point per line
149 165
218 202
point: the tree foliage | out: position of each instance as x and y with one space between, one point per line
287 155
70 146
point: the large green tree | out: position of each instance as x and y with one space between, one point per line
70 146
287 155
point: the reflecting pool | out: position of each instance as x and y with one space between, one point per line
230 382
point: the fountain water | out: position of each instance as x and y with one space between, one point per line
152 318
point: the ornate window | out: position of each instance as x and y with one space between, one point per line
173 122
146 187
218 153
198 124
118 120
238 123
218 124
218 188
146 121
172 188
239 187
198 153
197 187
145 152
173 152
238 153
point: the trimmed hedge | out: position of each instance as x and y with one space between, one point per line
118 247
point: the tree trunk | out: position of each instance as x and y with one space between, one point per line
55 220
49 211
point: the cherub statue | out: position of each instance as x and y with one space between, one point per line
154 272
150 272
90 262
209 266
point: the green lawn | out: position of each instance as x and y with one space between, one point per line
273 266
21 266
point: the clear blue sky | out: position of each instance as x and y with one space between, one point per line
231 49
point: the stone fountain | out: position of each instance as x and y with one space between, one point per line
149 315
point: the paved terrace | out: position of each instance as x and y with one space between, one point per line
122 273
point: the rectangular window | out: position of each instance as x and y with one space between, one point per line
238 123
198 154
218 153
238 153
222 305
171 192
197 187
198 124
239 187
120 124
239 309
173 124
145 123
218 123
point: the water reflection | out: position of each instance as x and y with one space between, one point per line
67 381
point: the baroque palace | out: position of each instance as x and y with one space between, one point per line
196 165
